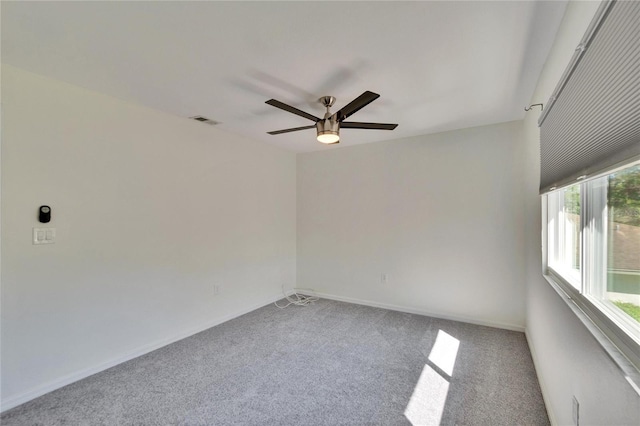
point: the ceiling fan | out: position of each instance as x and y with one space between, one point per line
328 128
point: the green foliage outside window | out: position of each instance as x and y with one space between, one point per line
624 196
572 199
630 309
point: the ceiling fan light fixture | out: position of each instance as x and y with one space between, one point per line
328 131
328 137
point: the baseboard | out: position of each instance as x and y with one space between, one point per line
79 375
399 308
543 387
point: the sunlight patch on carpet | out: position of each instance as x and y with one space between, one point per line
444 352
428 399
430 393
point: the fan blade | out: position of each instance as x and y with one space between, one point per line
291 109
356 105
376 126
295 129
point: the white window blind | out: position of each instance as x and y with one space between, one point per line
592 120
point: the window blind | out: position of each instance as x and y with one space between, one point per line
592 120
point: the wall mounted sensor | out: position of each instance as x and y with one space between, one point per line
44 214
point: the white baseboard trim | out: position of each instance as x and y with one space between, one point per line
50 386
543 386
408 310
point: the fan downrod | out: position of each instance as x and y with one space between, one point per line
327 102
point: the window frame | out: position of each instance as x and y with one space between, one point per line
609 327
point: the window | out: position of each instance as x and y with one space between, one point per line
589 179
593 251
621 282
566 248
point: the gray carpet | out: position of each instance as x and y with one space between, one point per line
331 363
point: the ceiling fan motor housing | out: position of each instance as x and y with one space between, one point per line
328 130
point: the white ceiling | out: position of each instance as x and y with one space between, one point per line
437 65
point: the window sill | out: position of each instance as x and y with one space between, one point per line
628 369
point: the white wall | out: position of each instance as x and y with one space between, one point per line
568 359
151 212
441 214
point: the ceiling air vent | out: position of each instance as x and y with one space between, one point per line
205 120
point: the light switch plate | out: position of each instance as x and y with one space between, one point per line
44 235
